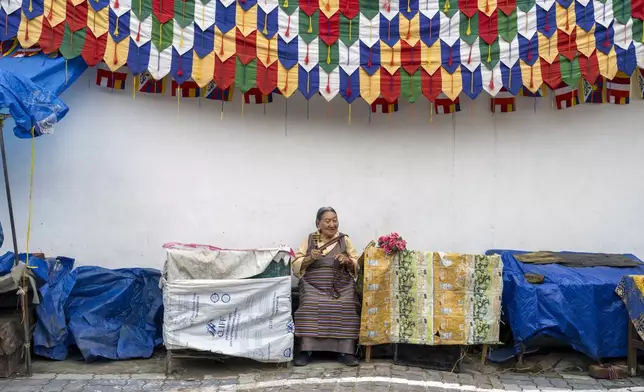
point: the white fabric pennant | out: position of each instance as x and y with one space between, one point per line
493 75
183 39
603 12
623 34
369 30
450 28
124 6
527 22
429 8
140 31
160 62
311 50
509 51
546 4
226 3
389 8
349 57
330 80
10 6
584 2
205 14
288 23
639 52
470 55
266 5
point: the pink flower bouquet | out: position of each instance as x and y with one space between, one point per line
392 243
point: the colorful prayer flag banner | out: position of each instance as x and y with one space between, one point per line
541 92
444 105
255 96
618 89
108 79
566 97
215 93
186 89
504 102
383 106
146 84
593 92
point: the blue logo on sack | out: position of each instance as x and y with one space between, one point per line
215 297
290 327
288 353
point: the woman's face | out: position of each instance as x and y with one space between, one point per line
328 224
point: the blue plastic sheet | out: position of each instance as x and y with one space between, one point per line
111 314
577 306
37 266
29 90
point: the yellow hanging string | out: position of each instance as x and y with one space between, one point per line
141 5
633 78
431 112
31 191
469 29
446 8
328 54
203 14
178 101
489 53
160 34
198 70
221 113
285 3
350 20
370 31
429 58
408 6
308 76
181 39
510 79
31 6
265 23
349 114
136 78
310 29
116 29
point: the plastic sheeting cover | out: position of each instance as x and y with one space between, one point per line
577 306
29 90
113 314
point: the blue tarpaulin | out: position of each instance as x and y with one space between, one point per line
575 305
29 90
111 314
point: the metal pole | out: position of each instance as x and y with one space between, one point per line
25 285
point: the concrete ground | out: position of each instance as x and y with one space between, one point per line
244 375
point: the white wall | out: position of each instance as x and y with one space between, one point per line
120 177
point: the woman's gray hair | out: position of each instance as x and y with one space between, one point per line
322 211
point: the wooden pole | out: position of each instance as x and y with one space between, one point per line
368 354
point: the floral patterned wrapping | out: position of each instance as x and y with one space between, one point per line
430 298
631 290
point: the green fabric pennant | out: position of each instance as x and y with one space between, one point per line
369 8
184 12
570 71
161 34
622 10
288 6
508 25
410 85
329 56
638 32
469 28
525 5
73 42
489 53
245 75
349 29
602 1
448 7
142 9
309 26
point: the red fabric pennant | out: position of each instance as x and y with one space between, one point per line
225 72
163 10
431 84
488 27
551 73
350 8
410 56
389 85
51 38
468 7
246 47
567 43
76 16
507 6
329 28
589 67
309 6
94 48
638 9
266 78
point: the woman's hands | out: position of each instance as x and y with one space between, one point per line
345 260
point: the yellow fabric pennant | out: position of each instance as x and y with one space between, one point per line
77 2
266 49
487 6
390 57
607 64
586 41
452 83
246 20
116 53
225 44
56 11
531 76
29 31
548 49
369 86
329 7
287 80
431 57
410 29
98 21
566 19
203 69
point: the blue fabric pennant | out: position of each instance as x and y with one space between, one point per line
270 29
349 85
9 25
512 81
547 21
604 38
123 24
585 16
309 82
390 30
413 8
287 52
529 49
38 7
370 57
181 68
626 59
451 56
138 58
472 82
430 28
204 42
225 16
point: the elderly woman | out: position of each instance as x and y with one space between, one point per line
328 318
